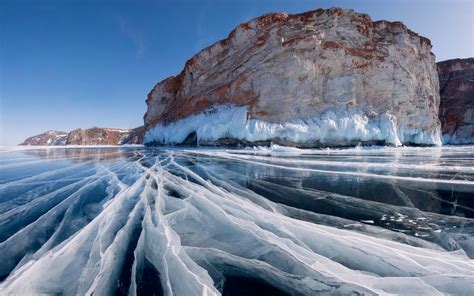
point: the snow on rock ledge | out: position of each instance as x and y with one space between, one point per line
324 77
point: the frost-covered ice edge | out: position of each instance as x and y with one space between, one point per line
337 127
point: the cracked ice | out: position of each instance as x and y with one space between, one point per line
136 221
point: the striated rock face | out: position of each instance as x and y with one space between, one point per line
92 136
324 77
104 136
49 138
456 110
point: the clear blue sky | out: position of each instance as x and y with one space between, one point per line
66 64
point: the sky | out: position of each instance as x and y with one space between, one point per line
66 64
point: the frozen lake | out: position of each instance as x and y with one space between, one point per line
280 221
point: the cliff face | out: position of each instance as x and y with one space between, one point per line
325 77
92 136
49 138
456 109
105 136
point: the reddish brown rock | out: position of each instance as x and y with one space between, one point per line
286 68
92 136
456 110
105 136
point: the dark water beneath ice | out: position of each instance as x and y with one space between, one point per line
282 221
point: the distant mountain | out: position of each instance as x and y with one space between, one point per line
92 136
49 138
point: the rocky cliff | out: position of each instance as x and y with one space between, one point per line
92 136
105 136
321 78
456 109
49 138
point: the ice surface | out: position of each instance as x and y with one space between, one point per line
136 220
336 127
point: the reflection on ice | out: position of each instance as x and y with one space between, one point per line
136 220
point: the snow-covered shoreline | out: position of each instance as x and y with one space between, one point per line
334 128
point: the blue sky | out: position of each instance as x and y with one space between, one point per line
66 64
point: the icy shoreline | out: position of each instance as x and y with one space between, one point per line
230 125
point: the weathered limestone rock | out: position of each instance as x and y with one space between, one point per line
92 136
105 136
456 110
49 138
325 77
